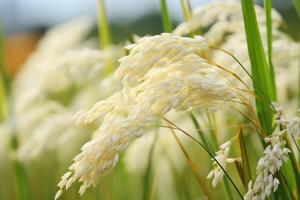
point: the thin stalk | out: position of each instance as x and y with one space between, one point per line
186 9
200 133
167 23
211 155
103 26
193 166
255 83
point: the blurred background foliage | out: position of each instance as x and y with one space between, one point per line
24 22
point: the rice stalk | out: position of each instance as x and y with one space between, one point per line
211 155
103 26
167 22
193 166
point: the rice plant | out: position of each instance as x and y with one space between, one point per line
207 109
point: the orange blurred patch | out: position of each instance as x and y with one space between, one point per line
18 48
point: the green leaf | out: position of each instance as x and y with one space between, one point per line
167 23
263 85
268 11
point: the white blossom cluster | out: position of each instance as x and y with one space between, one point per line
220 18
161 73
275 154
221 23
292 126
217 172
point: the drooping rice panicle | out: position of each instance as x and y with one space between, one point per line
160 73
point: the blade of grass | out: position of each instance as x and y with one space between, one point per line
186 9
4 80
297 6
167 23
245 161
268 11
103 26
259 66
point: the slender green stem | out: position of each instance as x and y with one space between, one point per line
200 133
167 23
20 176
103 26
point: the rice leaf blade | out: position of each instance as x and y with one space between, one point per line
297 6
268 11
245 161
263 85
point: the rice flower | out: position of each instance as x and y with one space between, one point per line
274 156
161 73
291 126
221 23
221 18
217 172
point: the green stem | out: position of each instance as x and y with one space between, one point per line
20 176
4 81
200 133
103 26
167 23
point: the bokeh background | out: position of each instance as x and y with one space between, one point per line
25 21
